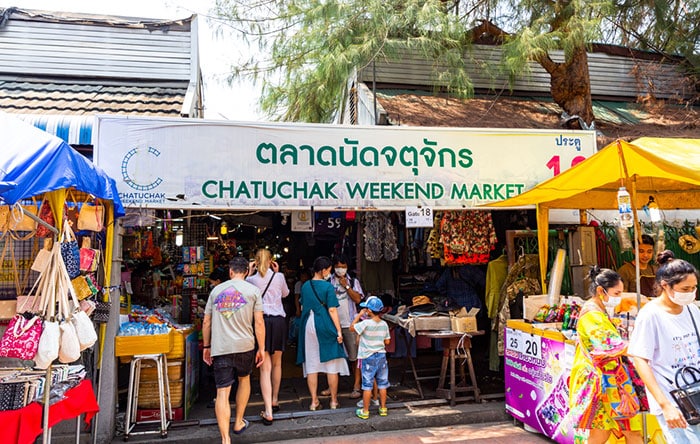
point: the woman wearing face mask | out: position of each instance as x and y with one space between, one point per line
320 348
664 340
599 349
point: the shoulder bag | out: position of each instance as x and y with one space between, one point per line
687 395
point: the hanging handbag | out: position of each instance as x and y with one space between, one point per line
91 217
47 351
21 339
85 333
21 222
70 252
687 395
618 392
46 215
89 257
83 287
42 257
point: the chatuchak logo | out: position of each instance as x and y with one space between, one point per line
139 171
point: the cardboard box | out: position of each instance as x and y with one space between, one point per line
432 323
142 345
464 321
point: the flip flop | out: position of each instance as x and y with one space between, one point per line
313 407
245 427
326 392
265 419
275 408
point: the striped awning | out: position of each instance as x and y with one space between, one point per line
75 130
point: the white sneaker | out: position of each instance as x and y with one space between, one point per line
373 402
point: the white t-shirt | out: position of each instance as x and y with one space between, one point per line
668 341
347 309
278 289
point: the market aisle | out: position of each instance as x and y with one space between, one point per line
491 433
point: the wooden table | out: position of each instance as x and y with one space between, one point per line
455 345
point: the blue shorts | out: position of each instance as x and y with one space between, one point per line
375 367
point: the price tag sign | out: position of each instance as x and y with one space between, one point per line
417 217
525 343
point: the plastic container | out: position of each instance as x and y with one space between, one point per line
624 208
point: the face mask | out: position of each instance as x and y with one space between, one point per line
682 298
341 271
327 277
611 303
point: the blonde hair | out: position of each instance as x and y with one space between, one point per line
263 258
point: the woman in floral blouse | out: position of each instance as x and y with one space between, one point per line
599 349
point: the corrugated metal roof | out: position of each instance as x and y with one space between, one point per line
79 97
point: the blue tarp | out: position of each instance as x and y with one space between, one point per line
33 162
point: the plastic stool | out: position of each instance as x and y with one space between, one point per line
133 396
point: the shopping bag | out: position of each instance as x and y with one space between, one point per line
21 339
91 217
687 395
70 252
46 215
618 392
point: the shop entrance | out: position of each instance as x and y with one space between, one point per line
170 254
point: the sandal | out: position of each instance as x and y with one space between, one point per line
326 392
334 405
314 407
265 420
246 424
275 408
355 394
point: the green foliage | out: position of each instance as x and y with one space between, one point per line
306 50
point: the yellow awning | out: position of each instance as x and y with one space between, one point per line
668 169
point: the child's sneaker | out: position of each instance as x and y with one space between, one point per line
383 411
361 414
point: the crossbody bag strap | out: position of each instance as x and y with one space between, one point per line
316 294
268 284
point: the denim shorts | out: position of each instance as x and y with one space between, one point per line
688 435
375 367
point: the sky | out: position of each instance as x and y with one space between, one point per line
217 53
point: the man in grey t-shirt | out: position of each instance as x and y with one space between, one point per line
229 342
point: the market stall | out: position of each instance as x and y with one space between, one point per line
538 356
37 165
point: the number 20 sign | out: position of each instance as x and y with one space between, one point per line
525 343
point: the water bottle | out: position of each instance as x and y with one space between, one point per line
624 207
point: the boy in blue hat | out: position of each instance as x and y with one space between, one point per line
374 337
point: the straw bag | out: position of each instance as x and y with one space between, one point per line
91 217
19 221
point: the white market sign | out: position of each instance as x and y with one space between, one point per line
187 163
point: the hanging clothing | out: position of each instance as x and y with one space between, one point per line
467 237
380 238
496 274
462 285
